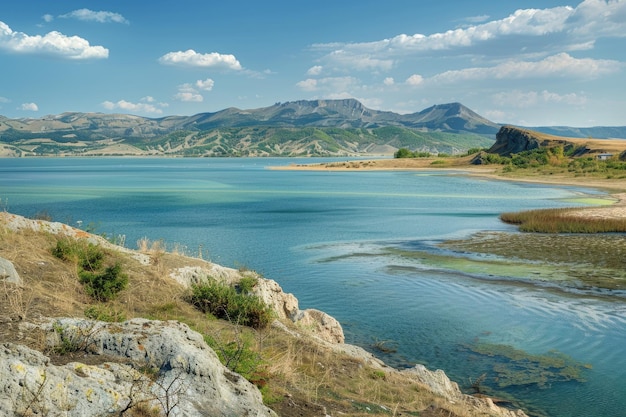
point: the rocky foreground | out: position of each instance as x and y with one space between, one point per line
82 367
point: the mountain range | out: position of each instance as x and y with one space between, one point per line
297 128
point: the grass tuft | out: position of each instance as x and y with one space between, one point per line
560 220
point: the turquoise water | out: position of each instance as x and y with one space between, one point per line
323 236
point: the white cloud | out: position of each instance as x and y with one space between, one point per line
596 18
93 16
205 84
530 31
389 81
4 100
188 96
186 92
524 99
52 43
47 18
29 107
359 61
309 84
559 65
330 84
315 70
191 58
132 107
415 79
148 99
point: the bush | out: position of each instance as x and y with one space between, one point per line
87 255
104 286
223 301
406 153
246 284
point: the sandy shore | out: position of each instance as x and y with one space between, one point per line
615 187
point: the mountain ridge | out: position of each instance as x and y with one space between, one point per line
343 127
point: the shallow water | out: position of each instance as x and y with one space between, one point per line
324 236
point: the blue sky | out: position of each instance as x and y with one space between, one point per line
537 62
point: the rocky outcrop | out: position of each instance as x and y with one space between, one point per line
439 383
160 366
511 140
285 305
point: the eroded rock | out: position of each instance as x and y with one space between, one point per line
162 365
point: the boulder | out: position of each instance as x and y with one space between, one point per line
439 383
164 366
321 325
8 272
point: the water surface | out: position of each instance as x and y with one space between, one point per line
325 236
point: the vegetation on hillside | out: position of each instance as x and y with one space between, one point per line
244 141
558 159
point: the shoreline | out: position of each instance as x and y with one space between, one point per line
615 188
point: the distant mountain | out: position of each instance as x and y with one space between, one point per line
348 113
598 132
312 128
295 128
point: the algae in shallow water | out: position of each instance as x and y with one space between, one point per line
510 367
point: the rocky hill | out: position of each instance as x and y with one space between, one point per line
64 353
511 140
298 128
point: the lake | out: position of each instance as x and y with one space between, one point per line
332 239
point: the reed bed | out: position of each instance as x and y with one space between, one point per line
563 220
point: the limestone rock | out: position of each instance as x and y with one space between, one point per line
284 304
322 325
439 383
8 272
181 374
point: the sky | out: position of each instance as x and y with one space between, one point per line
524 62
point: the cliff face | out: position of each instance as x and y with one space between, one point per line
510 140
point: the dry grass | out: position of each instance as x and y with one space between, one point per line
563 220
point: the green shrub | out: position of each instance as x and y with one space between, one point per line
246 284
223 301
87 255
104 286
237 355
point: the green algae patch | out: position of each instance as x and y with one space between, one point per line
585 262
486 267
594 201
508 367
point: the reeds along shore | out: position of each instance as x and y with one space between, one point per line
564 220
